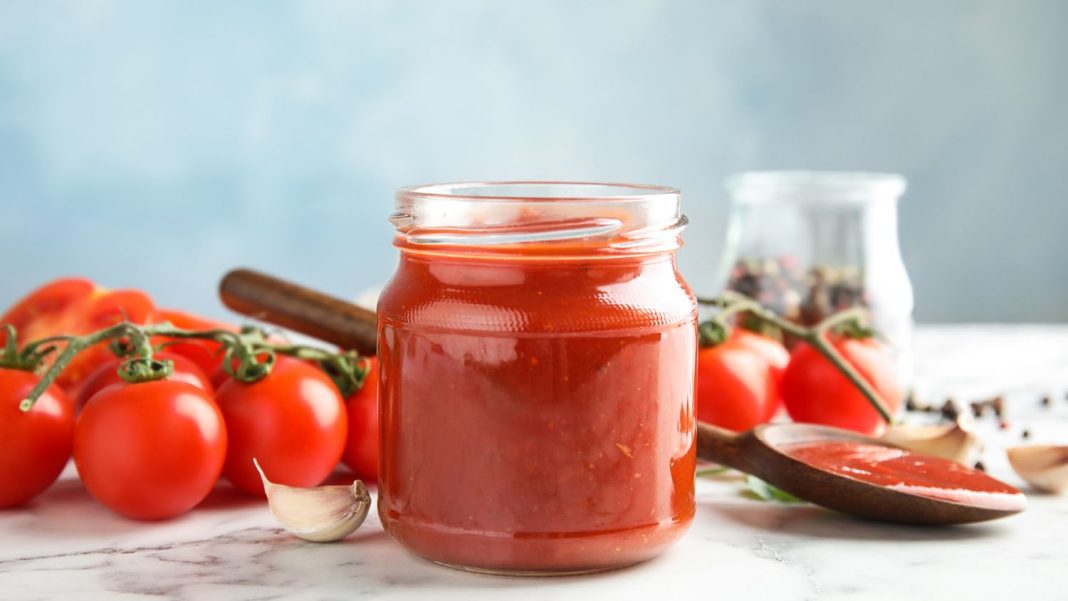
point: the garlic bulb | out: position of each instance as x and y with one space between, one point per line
1043 466
955 441
321 514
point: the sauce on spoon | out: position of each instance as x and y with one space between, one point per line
907 472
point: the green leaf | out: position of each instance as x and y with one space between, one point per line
712 471
766 492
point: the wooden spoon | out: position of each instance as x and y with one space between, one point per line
761 451
300 309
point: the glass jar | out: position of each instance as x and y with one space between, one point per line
537 349
809 244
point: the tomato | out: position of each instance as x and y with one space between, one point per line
361 449
44 311
100 310
108 307
76 306
151 450
737 387
816 392
293 421
205 353
106 375
35 445
772 350
218 376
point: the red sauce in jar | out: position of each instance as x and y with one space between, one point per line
536 408
907 472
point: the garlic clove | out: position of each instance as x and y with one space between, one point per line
955 441
1043 466
321 514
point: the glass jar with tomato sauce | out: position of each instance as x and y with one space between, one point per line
537 347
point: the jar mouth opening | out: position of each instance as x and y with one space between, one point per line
541 191
513 217
814 186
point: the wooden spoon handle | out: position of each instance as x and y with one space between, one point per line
721 446
301 309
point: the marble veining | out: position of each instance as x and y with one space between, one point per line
65 546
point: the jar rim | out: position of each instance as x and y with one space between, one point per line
506 217
814 186
485 191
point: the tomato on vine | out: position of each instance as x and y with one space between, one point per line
72 307
207 354
292 421
737 382
44 311
184 370
361 448
34 445
150 450
815 391
152 446
772 350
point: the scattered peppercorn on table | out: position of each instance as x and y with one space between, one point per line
64 546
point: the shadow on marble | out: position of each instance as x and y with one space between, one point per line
812 521
225 496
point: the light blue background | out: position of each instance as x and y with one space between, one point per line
158 144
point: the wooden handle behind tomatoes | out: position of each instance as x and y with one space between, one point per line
301 309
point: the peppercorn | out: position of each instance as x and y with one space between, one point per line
950 410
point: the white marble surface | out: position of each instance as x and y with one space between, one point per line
65 546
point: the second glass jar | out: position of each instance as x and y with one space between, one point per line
810 243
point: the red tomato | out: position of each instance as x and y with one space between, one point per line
737 388
218 376
44 312
293 422
102 309
76 306
205 353
816 392
772 350
108 374
361 449
151 450
108 307
35 445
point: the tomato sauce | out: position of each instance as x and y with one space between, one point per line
907 472
536 409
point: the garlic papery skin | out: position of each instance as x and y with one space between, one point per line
1044 467
321 514
955 441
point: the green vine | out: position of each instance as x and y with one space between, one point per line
247 356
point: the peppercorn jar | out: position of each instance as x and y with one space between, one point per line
808 244
537 348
